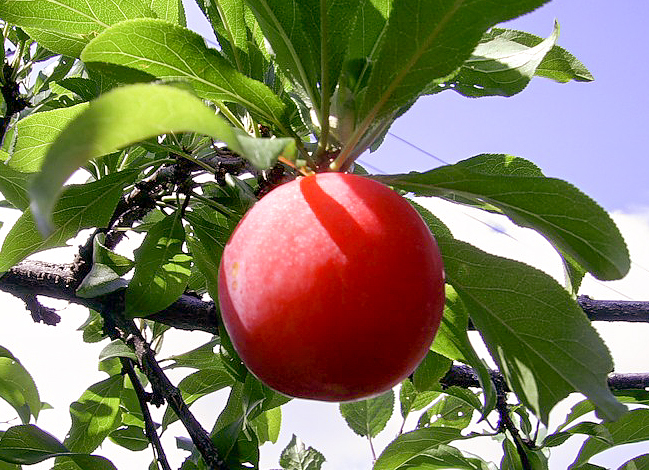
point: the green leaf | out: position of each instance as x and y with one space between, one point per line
160 48
544 344
230 27
116 348
569 219
95 415
453 342
18 389
637 463
131 437
13 186
204 382
263 153
93 328
413 400
289 27
408 447
450 411
119 118
80 206
500 67
296 456
162 269
63 25
432 368
267 425
512 461
169 10
34 135
28 444
369 417
412 57
558 64
197 385
107 267
203 357
631 427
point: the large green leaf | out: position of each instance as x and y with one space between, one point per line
162 269
558 64
229 24
453 342
95 415
407 449
28 444
569 219
369 417
172 52
80 206
119 118
630 428
289 28
13 186
443 36
34 135
65 24
544 344
501 67
18 389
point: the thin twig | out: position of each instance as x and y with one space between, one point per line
506 424
149 425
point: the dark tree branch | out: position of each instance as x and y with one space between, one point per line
505 423
149 425
614 310
14 101
191 313
465 376
117 326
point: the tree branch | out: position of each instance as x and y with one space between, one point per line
149 425
30 278
465 376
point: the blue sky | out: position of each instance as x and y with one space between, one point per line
593 135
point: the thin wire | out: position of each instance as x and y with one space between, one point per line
425 152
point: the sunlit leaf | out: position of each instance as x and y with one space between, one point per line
631 427
544 344
162 269
80 206
18 389
296 456
94 415
119 118
64 25
161 49
34 135
572 221
369 417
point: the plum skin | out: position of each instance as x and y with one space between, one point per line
331 288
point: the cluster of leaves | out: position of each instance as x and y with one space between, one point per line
181 138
